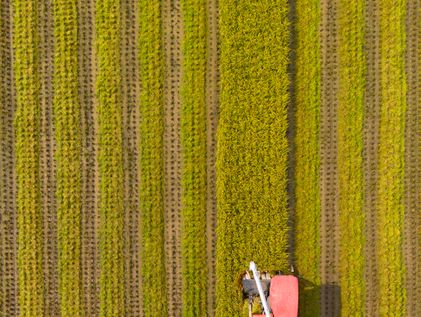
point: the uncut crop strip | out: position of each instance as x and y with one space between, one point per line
67 155
27 127
110 159
371 140
252 147
391 266
350 159
8 212
47 162
130 75
212 97
307 154
412 245
89 167
193 142
330 293
151 159
172 31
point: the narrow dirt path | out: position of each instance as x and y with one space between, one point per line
371 143
47 163
212 102
412 162
8 212
130 93
90 189
330 292
172 26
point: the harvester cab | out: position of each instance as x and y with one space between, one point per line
277 295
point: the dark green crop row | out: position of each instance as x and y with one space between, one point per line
27 148
307 152
391 268
351 21
252 146
151 162
193 141
110 158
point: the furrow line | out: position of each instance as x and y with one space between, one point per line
47 162
8 213
89 167
172 28
412 161
130 85
330 292
370 153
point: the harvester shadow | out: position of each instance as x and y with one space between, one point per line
327 295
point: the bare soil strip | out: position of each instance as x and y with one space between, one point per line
412 162
212 102
371 143
8 212
172 26
90 217
330 292
130 92
47 163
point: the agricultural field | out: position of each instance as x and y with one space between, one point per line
150 149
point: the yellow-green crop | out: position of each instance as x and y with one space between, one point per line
307 152
27 129
252 146
110 158
350 156
391 268
193 141
68 156
151 159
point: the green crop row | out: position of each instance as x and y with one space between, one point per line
252 146
350 155
193 141
27 147
152 159
110 158
68 156
391 266
307 152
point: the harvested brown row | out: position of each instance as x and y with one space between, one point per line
47 162
412 161
371 141
330 293
172 27
8 215
130 90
